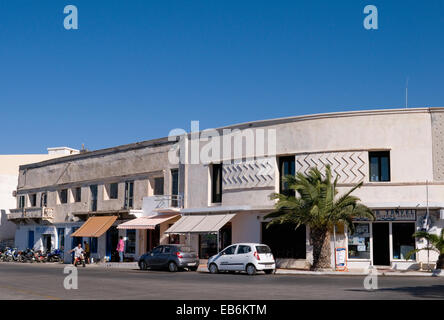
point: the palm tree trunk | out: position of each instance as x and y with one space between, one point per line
320 238
440 262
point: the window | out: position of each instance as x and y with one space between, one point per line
129 194
33 200
61 238
44 200
63 196
158 186
359 242
93 190
21 201
93 245
230 250
286 168
77 194
243 249
216 183
131 241
207 245
379 166
403 241
114 191
174 187
167 249
173 238
157 250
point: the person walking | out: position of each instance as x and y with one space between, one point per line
121 248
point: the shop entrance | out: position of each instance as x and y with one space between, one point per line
152 238
381 244
112 239
46 239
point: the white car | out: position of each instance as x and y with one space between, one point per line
249 257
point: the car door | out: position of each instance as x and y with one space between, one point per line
153 258
240 259
164 256
226 257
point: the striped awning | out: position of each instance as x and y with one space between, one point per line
197 223
146 222
95 226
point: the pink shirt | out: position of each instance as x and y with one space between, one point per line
121 246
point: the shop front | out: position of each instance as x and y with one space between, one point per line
386 241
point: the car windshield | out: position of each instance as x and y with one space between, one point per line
263 249
185 249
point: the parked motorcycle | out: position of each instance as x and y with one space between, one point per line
55 256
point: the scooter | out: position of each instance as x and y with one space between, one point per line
78 260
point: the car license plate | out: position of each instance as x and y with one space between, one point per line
192 264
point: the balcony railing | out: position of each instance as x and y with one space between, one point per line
31 213
155 203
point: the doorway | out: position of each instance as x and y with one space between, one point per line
381 244
112 239
153 238
46 239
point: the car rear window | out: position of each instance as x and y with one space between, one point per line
185 249
263 249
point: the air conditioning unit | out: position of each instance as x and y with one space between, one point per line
441 214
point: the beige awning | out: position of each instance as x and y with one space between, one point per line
146 222
200 223
95 226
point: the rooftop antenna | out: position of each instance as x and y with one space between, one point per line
407 93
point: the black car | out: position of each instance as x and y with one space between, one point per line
172 257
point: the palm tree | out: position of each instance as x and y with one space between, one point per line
435 243
316 206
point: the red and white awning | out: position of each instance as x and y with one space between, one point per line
149 222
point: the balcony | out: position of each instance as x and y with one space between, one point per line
31 214
162 203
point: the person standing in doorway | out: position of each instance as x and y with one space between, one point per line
121 248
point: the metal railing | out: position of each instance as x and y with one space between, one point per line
31 213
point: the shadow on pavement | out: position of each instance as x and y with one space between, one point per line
429 292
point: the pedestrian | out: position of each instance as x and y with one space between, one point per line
121 248
86 251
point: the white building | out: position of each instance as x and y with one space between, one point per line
398 154
9 171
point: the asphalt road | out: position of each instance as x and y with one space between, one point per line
45 281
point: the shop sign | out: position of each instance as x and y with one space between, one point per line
395 215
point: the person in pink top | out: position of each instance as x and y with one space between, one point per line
121 248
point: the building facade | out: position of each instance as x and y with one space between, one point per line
9 172
398 154
85 197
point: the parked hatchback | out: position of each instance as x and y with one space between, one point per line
249 257
172 257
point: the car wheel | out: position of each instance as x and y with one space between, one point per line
251 270
172 266
269 271
213 268
142 265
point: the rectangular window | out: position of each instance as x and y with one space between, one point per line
77 194
129 194
403 241
61 238
130 246
286 168
21 201
158 186
379 166
359 242
94 191
174 187
44 200
114 190
33 200
216 183
63 195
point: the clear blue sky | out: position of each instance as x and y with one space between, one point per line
134 70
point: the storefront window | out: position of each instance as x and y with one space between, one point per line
208 245
359 242
131 241
403 241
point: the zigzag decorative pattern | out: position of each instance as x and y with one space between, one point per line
348 166
249 174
